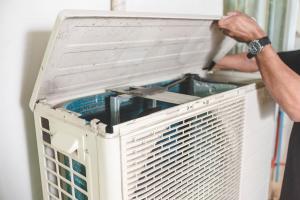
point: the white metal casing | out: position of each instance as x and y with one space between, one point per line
104 155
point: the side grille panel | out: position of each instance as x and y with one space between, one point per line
65 175
197 157
66 180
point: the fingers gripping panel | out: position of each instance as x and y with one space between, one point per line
197 157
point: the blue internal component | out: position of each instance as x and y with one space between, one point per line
98 106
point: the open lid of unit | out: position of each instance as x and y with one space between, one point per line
90 51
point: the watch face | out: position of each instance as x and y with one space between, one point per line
254 47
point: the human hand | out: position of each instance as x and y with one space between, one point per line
240 27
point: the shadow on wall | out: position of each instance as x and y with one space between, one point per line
36 42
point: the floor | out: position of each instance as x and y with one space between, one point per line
275 186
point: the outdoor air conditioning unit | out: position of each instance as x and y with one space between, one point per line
124 111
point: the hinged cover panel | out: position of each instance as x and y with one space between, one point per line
90 51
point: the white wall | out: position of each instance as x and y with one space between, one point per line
25 27
298 19
203 7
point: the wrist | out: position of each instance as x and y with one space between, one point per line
267 52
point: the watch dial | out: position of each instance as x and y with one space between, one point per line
254 47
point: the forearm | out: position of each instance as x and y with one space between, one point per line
238 62
282 82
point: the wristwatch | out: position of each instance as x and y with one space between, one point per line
256 46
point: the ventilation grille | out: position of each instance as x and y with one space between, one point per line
196 158
66 177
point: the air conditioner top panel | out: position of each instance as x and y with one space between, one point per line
90 51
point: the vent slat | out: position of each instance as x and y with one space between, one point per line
196 158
